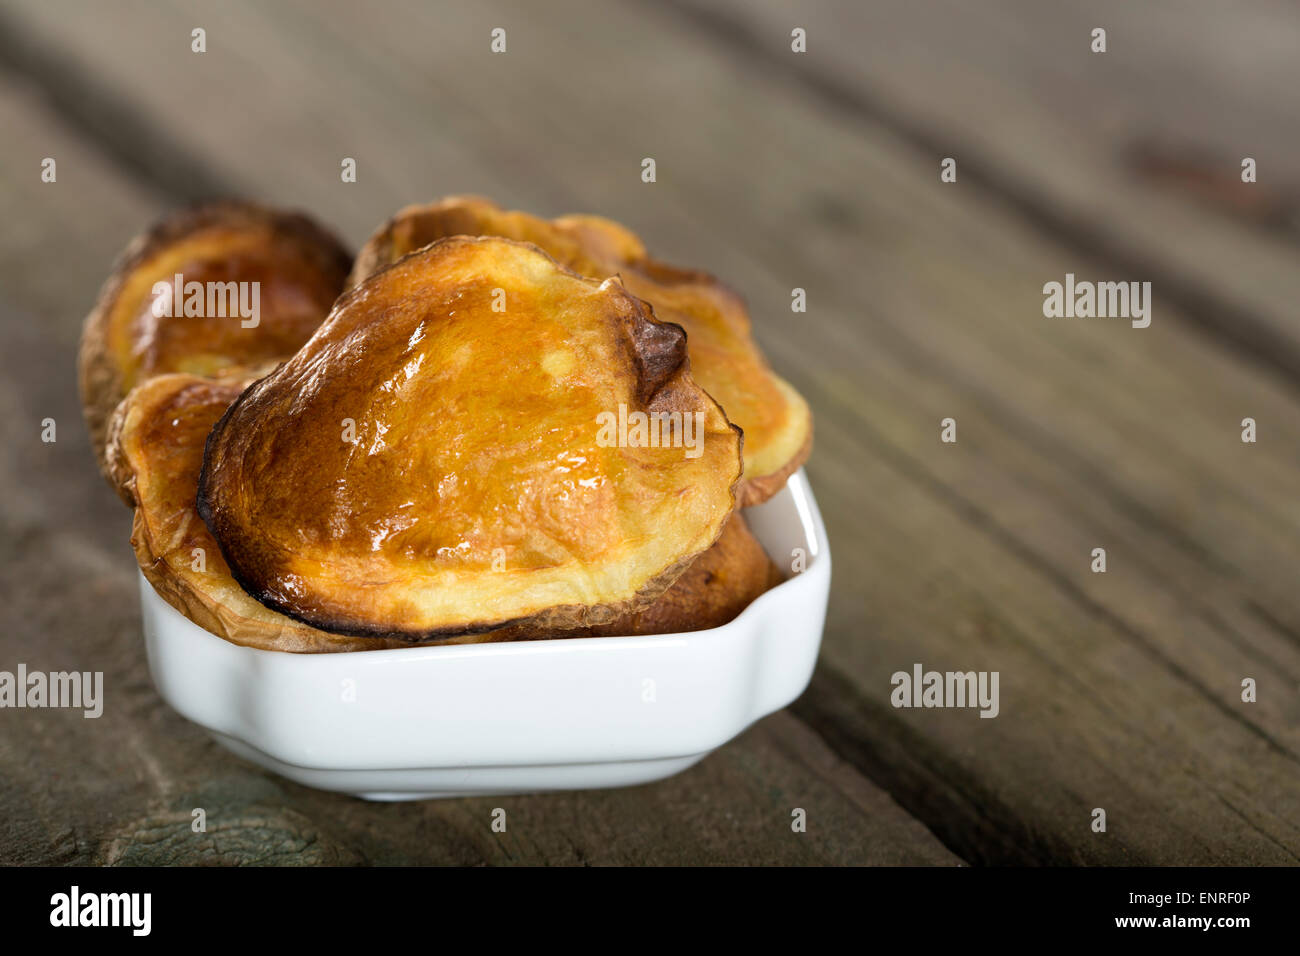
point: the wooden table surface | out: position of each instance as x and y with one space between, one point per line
775 170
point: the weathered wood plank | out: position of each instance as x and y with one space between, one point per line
1135 153
121 789
1119 690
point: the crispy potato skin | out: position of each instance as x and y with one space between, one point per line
473 491
156 452
155 455
725 361
300 269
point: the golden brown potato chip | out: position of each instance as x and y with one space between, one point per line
155 452
725 361
476 436
254 284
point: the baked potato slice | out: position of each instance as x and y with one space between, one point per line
466 443
298 268
725 360
155 450
155 453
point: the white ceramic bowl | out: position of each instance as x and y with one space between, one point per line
421 722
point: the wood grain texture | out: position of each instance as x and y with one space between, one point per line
1119 690
1133 154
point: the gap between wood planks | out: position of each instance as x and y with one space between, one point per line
1222 320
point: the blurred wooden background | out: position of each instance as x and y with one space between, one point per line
775 170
